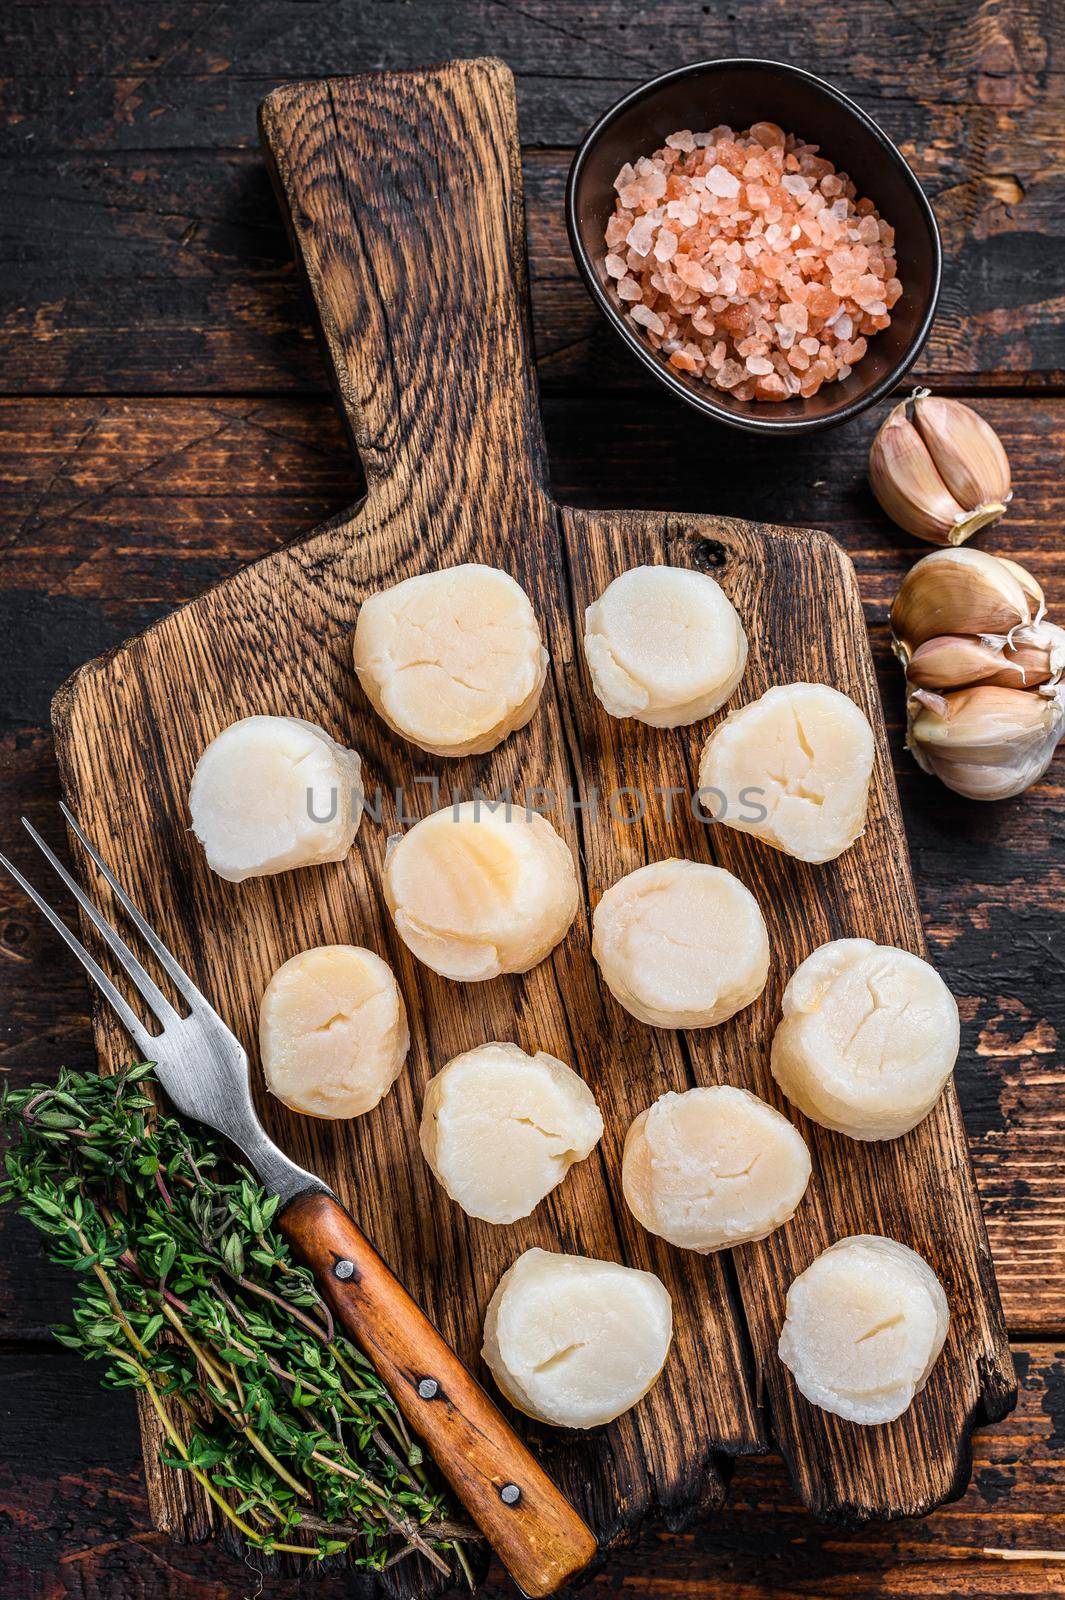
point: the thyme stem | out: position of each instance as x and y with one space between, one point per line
185 1289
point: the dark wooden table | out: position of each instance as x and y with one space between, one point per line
162 420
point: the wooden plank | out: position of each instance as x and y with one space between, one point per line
76 1516
138 62
456 470
167 271
123 510
144 252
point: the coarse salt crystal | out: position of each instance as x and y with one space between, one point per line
641 234
722 182
647 319
794 316
766 134
750 262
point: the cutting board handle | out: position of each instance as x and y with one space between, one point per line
402 193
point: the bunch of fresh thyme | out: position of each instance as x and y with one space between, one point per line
188 1293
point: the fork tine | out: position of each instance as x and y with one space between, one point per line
182 982
144 1041
148 989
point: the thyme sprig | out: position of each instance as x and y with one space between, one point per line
188 1293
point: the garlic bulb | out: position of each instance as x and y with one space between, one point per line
984 669
942 474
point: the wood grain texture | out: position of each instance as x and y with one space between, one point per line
538 1538
143 253
125 509
77 1522
392 329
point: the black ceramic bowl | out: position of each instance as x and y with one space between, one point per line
739 93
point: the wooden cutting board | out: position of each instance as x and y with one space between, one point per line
403 193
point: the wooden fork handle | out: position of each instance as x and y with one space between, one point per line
536 1533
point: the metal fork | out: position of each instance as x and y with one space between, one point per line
204 1069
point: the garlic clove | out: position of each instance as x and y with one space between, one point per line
1037 654
1035 657
957 592
950 662
968 456
1032 589
910 490
978 782
987 742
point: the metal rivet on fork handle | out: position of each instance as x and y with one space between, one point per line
510 1494
428 1388
344 1269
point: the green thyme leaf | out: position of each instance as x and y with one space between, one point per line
185 1290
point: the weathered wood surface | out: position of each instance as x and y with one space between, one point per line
456 471
76 1522
140 246
144 253
119 511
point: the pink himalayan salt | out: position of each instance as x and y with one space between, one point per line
750 262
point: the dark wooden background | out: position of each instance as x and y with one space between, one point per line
163 419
